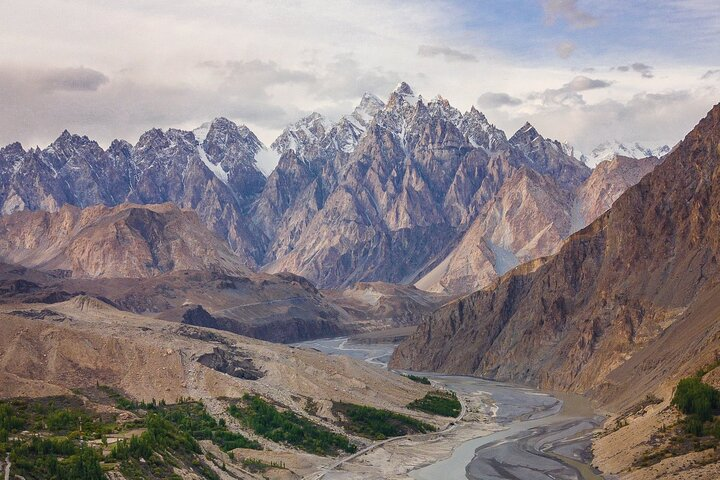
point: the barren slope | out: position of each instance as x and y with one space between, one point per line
124 241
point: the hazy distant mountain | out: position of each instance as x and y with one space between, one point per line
608 150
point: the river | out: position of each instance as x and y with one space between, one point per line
545 436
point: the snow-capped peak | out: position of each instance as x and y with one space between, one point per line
568 149
403 94
404 89
525 135
440 107
347 132
479 132
306 132
527 127
476 113
609 149
369 106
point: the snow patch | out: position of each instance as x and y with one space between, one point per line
217 170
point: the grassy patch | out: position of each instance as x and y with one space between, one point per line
288 428
445 404
376 423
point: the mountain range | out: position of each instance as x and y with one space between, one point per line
404 191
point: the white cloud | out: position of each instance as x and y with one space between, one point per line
448 53
183 62
648 118
569 94
645 71
494 100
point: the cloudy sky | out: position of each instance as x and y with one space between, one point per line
580 71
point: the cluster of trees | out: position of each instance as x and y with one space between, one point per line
160 446
55 448
699 401
287 427
10 421
56 459
60 457
415 378
124 403
255 465
445 404
377 423
192 417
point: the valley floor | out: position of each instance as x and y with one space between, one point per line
504 431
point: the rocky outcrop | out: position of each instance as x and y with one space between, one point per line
235 363
124 241
593 316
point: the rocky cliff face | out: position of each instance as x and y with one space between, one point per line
530 217
592 316
124 241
